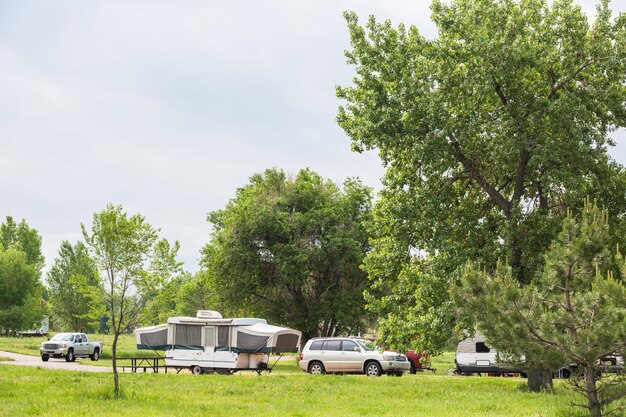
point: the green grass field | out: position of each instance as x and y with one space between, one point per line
35 391
285 392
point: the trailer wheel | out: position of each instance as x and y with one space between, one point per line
196 370
96 355
45 357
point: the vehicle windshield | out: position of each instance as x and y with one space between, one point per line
366 345
63 337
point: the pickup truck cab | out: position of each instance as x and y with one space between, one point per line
70 346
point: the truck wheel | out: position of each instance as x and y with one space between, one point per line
196 370
413 369
96 355
45 357
70 356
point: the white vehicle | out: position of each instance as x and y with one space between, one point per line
210 343
350 355
70 346
473 355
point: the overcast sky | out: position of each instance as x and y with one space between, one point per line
166 107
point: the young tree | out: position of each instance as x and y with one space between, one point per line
289 249
133 262
74 287
573 312
489 132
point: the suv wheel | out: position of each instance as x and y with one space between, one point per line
373 369
316 368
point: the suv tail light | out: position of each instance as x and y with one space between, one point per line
302 356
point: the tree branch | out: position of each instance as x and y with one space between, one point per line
503 98
518 191
563 83
477 176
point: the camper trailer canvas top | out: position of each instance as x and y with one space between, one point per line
213 342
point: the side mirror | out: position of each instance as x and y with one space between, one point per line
357 349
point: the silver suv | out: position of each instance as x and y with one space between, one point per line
350 355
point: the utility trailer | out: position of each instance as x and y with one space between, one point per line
209 343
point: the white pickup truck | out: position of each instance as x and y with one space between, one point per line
70 346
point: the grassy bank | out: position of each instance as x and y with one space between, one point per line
35 391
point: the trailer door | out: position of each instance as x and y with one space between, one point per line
209 339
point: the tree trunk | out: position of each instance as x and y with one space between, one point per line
116 382
595 408
539 379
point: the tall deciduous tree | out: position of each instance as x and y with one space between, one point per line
289 249
489 132
20 276
133 262
74 286
574 310
24 238
20 292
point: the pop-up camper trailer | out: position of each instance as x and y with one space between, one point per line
473 355
210 343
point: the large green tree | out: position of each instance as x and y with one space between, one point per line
489 132
289 249
21 261
573 312
20 292
24 238
74 285
133 262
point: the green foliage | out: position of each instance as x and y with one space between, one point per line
167 273
23 238
20 291
197 292
21 304
489 133
74 288
289 249
573 312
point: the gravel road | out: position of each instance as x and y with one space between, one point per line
27 360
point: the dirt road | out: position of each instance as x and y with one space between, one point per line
27 360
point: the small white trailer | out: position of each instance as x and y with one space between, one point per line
473 355
210 343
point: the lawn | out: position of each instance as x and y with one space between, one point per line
35 391
285 392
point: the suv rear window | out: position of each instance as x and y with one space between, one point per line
332 345
317 345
